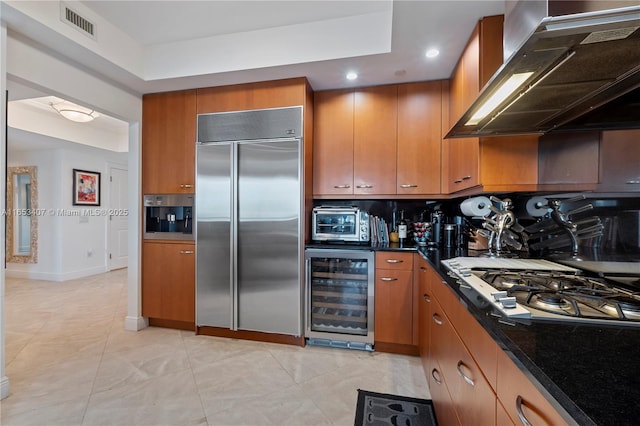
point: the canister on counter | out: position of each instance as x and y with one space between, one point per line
449 235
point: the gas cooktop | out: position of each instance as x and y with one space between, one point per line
540 289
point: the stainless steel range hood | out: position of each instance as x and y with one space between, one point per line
575 72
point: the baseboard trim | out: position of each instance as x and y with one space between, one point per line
178 325
258 336
4 387
396 348
135 323
53 276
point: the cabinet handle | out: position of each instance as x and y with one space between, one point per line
423 269
464 376
457 181
186 251
426 298
435 373
467 177
186 185
388 279
394 260
408 185
364 186
341 186
632 182
521 416
437 319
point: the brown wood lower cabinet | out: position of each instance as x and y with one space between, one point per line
520 398
472 381
442 402
168 283
394 297
473 399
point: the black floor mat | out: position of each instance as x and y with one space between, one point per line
380 409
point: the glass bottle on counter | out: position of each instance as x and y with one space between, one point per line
402 228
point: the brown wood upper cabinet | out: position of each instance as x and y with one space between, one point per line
485 164
620 161
569 160
419 138
169 142
378 141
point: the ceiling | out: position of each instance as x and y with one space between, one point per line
155 46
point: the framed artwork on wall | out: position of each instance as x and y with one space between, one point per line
86 188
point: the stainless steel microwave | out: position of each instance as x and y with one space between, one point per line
340 224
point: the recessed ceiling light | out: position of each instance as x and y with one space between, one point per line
352 75
432 53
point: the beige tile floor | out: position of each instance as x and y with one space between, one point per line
70 362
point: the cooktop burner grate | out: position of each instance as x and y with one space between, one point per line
563 294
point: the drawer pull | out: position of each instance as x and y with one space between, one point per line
466 378
364 186
408 185
423 269
186 251
341 186
388 279
457 181
632 182
437 379
437 319
467 177
521 416
186 185
426 298
394 261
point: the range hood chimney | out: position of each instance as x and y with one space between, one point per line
579 71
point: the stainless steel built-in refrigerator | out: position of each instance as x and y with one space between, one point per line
248 221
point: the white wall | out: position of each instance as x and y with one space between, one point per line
64 241
51 73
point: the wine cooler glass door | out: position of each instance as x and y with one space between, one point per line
340 294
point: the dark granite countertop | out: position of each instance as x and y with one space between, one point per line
592 371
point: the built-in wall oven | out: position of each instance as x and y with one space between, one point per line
340 298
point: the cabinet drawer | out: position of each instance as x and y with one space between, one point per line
394 260
520 397
442 403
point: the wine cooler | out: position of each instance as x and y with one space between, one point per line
339 298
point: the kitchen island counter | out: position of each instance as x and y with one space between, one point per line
592 371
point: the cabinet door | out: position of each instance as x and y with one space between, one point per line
375 133
520 397
169 142
333 142
419 141
620 160
393 306
569 158
168 281
424 309
463 163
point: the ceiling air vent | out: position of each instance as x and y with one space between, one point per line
78 22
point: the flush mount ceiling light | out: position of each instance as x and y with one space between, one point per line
74 112
432 53
352 75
